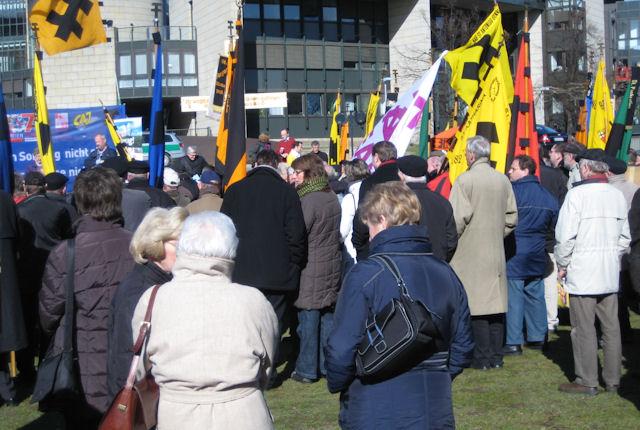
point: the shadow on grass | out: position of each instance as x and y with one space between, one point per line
48 421
630 382
559 351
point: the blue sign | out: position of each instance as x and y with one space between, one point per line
72 135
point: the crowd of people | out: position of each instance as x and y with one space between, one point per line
287 266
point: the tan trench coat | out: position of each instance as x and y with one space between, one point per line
485 211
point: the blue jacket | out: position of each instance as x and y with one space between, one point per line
421 397
537 213
90 161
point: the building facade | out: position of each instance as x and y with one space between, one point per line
310 49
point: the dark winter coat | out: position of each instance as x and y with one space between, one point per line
12 330
537 214
62 200
421 397
135 205
387 172
158 197
272 248
320 279
119 354
90 161
634 256
555 181
44 222
102 261
190 167
437 216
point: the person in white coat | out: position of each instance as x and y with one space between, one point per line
591 235
212 342
355 172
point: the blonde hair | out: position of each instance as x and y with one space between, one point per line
158 226
393 200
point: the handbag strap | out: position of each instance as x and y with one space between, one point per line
69 303
143 334
393 268
146 324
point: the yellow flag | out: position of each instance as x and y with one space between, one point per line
115 137
601 111
372 110
470 63
489 112
65 25
344 142
43 131
334 134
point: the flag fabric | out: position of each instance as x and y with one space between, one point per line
523 138
489 112
621 131
372 110
344 142
6 154
588 102
156 127
65 25
43 131
334 133
581 129
400 122
115 137
424 147
231 154
601 111
471 63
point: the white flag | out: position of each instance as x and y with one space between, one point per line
399 123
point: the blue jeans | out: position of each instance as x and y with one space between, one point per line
314 326
526 304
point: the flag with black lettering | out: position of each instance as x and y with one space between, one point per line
622 129
115 137
482 66
6 154
156 126
65 25
43 130
523 138
231 153
601 116
344 142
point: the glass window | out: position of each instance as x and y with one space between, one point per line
125 65
252 9
292 29
141 64
294 104
272 28
292 9
173 66
330 31
314 104
634 28
271 9
189 63
331 99
329 11
311 29
311 10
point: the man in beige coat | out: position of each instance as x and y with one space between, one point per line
485 211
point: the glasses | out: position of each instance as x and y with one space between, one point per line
297 172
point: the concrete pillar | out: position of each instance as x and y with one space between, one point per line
536 53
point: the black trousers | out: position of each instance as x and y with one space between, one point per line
7 389
282 303
488 335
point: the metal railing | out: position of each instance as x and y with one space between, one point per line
137 34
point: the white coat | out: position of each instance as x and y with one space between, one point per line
591 234
211 348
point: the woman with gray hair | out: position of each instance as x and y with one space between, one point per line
212 342
153 248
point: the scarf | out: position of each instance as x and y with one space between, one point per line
315 184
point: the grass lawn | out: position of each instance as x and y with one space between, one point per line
523 395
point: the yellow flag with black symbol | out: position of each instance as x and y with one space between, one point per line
43 130
471 63
372 110
489 112
334 134
65 25
601 111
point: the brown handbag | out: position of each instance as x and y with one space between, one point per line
136 405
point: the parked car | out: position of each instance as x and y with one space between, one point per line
548 136
173 148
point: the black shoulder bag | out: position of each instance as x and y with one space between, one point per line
57 371
398 337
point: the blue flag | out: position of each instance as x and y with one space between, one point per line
6 154
156 127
